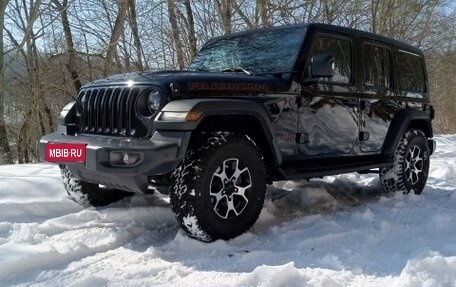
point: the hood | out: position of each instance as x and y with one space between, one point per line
199 82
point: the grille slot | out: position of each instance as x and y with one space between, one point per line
109 111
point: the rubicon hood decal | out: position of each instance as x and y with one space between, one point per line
227 86
198 82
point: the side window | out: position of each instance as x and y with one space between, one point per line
411 73
377 66
341 50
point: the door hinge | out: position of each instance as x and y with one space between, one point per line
302 138
364 136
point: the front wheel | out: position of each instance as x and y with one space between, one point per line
411 165
218 191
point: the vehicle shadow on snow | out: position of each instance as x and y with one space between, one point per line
286 203
290 199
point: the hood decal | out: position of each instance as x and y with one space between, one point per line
198 82
227 86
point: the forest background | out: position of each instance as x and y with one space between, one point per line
49 48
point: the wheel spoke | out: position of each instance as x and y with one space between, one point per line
407 165
238 173
242 189
231 207
419 165
415 177
409 156
218 195
221 173
218 209
410 177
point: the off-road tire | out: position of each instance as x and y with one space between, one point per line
411 155
89 194
193 182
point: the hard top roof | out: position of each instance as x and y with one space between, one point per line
337 29
364 34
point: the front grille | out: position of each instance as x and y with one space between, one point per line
109 111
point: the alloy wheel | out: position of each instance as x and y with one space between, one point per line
230 188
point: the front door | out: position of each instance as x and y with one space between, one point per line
328 119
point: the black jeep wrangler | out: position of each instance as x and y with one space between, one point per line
282 103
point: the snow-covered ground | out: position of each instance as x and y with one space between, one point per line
339 231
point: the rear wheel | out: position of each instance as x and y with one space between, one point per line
218 190
89 194
411 165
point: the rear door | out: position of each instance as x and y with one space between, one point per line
379 102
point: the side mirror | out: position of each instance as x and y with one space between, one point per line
322 66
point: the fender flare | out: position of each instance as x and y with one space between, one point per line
211 107
401 122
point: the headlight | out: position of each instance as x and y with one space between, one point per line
154 102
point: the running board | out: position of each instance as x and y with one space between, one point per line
331 166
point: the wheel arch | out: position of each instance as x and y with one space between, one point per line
246 124
407 119
235 115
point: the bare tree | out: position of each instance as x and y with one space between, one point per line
4 144
263 7
115 36
71 65
175 33
225 11
191 28
47 60
135 31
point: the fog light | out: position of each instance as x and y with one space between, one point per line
124 158
130 158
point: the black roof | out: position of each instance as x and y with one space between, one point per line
337 29
364 34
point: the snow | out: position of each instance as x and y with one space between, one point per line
336 231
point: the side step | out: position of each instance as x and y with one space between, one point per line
330 166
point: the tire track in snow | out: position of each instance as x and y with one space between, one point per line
72 237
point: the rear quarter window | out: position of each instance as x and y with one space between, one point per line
412 81
377 66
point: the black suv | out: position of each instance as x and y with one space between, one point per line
282 103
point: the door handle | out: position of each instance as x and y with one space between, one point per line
350 102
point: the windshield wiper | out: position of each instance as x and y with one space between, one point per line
237 69
197 69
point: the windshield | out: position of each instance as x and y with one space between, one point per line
272 50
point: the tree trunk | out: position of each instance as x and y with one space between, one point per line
115 37
175 33
224 8
71 66
191 28
5 151
22 146
135 32
263 6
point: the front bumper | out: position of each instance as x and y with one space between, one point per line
160 155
